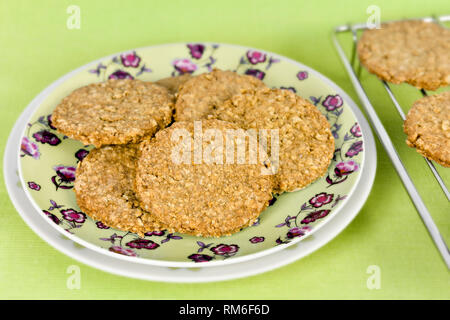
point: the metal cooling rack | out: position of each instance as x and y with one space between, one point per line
353 68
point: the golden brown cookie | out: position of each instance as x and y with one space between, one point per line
200 95
428 127
114 112
202 198
103 189
306 144
415 52
173 84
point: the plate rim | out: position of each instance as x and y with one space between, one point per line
35 103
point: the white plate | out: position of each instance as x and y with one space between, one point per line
132 269
178 253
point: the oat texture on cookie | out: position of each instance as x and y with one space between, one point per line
103 189
306 144
114 112
173 84
199 196
427 126
199 96
412 51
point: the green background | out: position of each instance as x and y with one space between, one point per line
37 48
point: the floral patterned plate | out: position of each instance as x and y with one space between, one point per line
47 159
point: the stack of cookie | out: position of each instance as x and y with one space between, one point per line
418 53
131 180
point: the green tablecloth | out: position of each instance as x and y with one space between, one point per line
37 48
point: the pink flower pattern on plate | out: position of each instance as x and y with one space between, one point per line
297 232
130 59
255 57
52 217
81 154
45 136
255 73
184 66
155 233
34 186
73 215
123 251
345 168
143 244
256 239
333 102
29 148
321 199
225 249
101 225
197 257
302 75
120 74
313 216
355 149
356 130
64 178
196 50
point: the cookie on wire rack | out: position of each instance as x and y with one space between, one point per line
411 51
427 126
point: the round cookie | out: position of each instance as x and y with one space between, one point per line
306 144
201 198
103 188
200 95
173 84
114 112
415 52
428 127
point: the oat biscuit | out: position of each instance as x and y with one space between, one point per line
415 52
201 94
428 127
203 199
114 112
306 145
103 189
173 84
